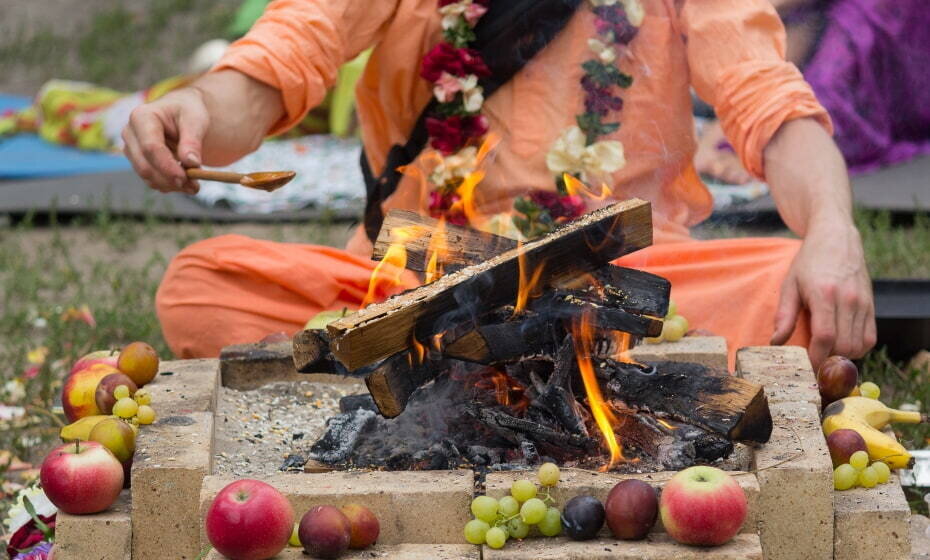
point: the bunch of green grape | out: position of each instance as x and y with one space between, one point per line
858 472
513 516
674 326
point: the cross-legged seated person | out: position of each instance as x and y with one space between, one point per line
597 89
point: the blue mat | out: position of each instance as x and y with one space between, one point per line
26 156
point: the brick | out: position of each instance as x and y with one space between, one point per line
577 482
710 351
795 477
920 538
249 366
185 386
173 456
656 547
101 536
784 371
740 460
414 507
387 552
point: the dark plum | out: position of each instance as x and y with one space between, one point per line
632 507
836 378
843 443
583 517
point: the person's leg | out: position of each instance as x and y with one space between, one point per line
233 289
729 287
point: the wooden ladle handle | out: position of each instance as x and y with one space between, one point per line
210 175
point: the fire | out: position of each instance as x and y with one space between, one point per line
388 273
466 204
583 334
438 250
528 283
666 424
575 187
507 390
622 343
418 352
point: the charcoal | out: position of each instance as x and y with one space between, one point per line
530 454
293 462
351 403
675 455
342 434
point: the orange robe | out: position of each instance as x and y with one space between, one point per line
234 289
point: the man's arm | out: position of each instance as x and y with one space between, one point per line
810 186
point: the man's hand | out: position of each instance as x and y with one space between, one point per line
220 118
828 277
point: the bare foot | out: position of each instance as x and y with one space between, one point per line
720 163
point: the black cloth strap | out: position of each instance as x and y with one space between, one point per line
507 36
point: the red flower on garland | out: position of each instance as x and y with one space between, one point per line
562 208
28 535
440 205
458 62
449 134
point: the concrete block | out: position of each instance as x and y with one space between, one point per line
185 386
249 366
656 547
101 536
173 456
710 351
387 552
577 482
414 507
920 538
872 523
784 371
795 477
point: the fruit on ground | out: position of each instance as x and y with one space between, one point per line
125 408
551 525
702 506
843 443
325 532
859 460
509 506
836 378
117 436
523 490
139 361
107 357
295 538
845 477
868 477
632 508
484 508
78 395
104 394
870 390
882 470
517 529
81 477
868 417
532 511
80 429
249 520
548 474
143 396
145 415
363 525
475 530
674 329
583 517
496 537
323 318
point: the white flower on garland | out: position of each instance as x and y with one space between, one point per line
17 516
606 53
569 154
472 94
455 167
468 10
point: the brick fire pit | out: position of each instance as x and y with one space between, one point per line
793 510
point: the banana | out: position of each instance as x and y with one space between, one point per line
868 417
80 429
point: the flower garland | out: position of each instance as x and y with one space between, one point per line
578 150
458 126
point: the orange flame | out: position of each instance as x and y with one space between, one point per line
583 333
437 251
666 424
622 343
418 352
575 186
529 286
389 271
466 204
507 390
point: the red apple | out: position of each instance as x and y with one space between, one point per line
632 507
364 526
81 477
108 357
836 379
79 394
843 443
325 532
249 520
702 506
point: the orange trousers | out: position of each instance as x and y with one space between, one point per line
234 289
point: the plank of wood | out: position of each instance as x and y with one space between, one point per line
584 245
693 393
393 382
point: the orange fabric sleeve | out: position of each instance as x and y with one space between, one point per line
297 47
736 52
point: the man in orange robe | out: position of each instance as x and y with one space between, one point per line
813 292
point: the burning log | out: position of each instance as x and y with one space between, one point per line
584 245
393 382
727 405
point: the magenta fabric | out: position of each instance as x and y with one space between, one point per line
871 70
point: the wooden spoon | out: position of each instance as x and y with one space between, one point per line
262 180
